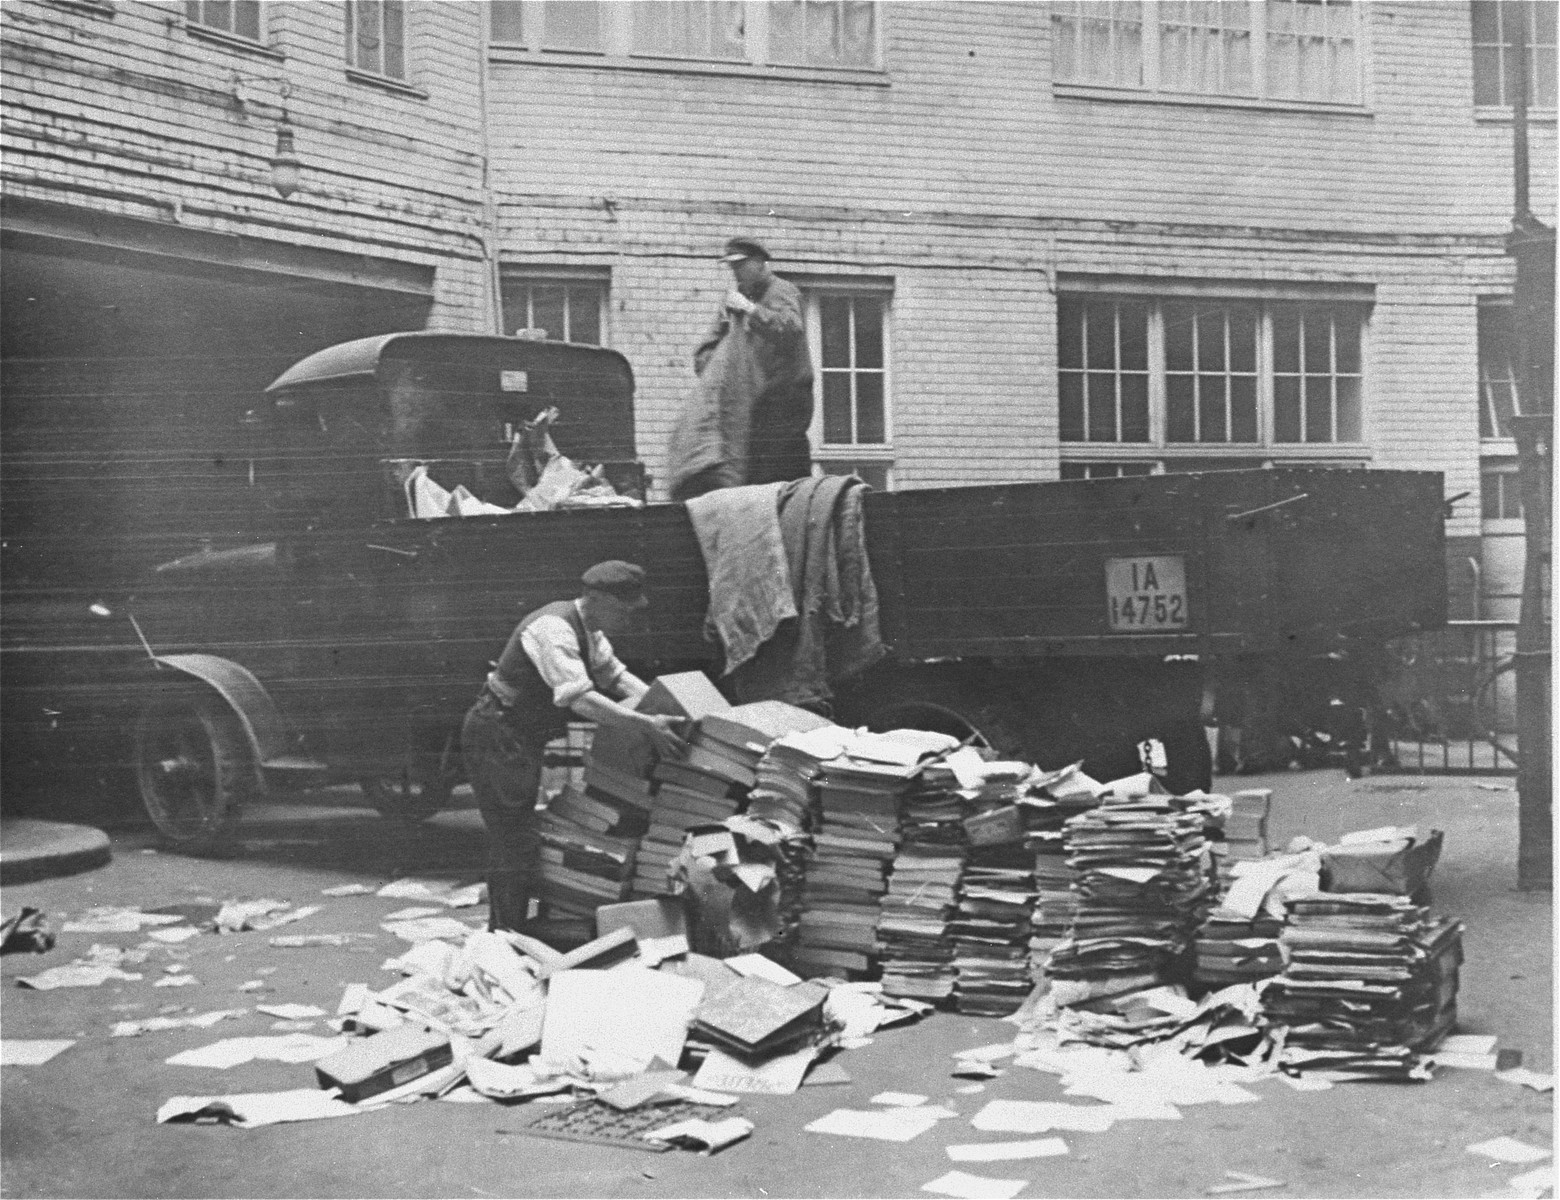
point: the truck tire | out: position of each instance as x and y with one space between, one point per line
420 789
195 769
940 699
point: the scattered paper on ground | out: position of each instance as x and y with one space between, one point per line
117 920
899 1099
1307 1083
777 1076
413 912
705 1136
347 889
1538 1179
289 1048
1467 1062
886 1125
616 1022
422 929
177 981
434 891
1532 1079
203 1020
1243 1183
74 976
1007 1151
251 1109
975 1187
992 1053
290 1012
1508 1149
1467 1043
1042 1116
173 936
18 1053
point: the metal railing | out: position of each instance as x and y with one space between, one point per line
1450 700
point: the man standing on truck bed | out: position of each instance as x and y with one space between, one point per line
746 420
557 660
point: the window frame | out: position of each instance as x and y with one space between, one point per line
813 291
199 28
617 49
1266 301
351 10
549 275
1506 471
1151 88
1501 111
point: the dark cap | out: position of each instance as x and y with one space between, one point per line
739 248
623 580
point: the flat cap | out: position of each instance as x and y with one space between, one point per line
739 248
623 580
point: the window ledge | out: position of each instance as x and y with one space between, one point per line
232 41
386 83
1120 95
1498 447
854 76
871 453
1168 450
1500 114
100 8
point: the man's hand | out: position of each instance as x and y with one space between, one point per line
665 738
737 302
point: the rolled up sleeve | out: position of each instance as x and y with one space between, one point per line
550 643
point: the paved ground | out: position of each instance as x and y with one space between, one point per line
82 1125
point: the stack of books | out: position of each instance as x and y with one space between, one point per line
1231 948
1056 904
1371 984
912 931
784 791
1246 828
683 800
991 930
756 1019
847 877
582 869
597 812
1142 889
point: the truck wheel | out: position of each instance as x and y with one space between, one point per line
421 788
940 701
195 769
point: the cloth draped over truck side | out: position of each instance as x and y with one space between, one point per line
831 632
710 440
750 586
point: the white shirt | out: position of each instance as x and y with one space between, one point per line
551 644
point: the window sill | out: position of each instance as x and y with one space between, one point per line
1500 114
385 83
855 76
873 453
1124 451
232 41
98 8
1497 447
1118 95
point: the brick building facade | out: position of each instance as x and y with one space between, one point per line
1037 239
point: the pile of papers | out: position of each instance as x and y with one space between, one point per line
786 773
581 869
1232 948
1246 826
1141 875
912 930
1371 983
991 930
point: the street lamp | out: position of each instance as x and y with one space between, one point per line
284 163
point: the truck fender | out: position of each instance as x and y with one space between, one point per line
244 694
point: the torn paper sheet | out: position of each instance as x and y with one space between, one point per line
174 935
1532 1079
885 1125
297 941
434 891
252 1109
1534 1182
203 1020
413 912
290 1012
74 976
974 1187
899 1099
632 1093
117 920
615 1023
705 1136
347 889
288 1048
777 1076
763 968
15 1052
1050 1147
826 1074
1243 1183
1508 1149
1043 1116
236 916
177 981
422 929
500 1082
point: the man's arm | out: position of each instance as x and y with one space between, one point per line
595 706
777 317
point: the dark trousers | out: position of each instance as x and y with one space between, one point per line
504 765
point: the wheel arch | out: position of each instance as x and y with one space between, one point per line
245 695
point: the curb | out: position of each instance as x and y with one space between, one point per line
32 850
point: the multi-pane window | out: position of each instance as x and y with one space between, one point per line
1499 400
851 371
376 36
823 33
1497 24
847 331
568 309
1194 372
1285 50
241 18
1103 377
840 34
1105 470
690 29
1500 491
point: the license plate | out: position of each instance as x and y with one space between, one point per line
1146 595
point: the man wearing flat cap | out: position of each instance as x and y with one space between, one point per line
747 419
558 661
